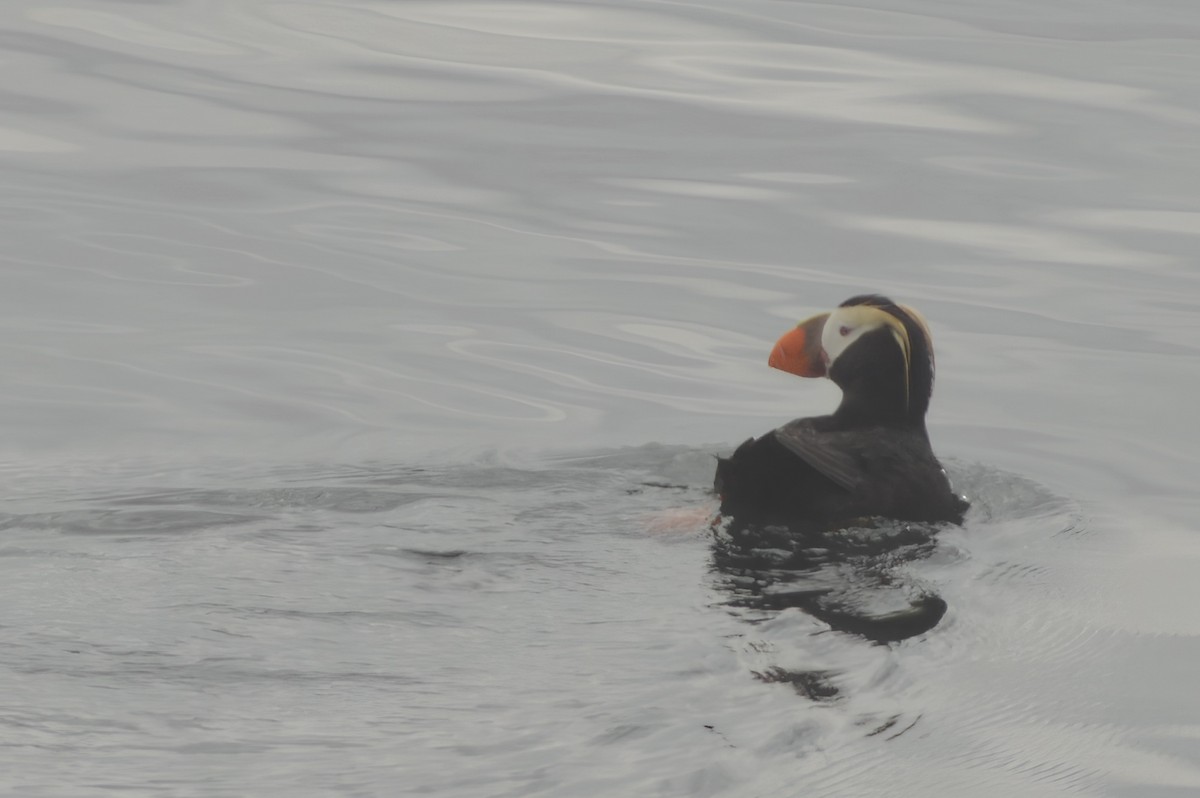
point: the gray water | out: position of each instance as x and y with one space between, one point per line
364 362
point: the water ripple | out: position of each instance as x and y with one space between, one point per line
315 315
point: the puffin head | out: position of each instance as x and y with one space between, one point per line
878 352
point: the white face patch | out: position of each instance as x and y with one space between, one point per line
845 326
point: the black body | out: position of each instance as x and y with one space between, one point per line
871 458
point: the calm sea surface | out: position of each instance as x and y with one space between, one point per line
363 364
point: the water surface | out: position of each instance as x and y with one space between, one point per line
364 363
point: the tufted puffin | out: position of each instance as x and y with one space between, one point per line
871 457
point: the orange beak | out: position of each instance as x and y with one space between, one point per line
799 350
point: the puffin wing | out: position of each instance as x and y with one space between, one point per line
822 451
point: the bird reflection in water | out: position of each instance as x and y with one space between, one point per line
845 578
848 579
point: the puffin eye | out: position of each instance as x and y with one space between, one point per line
843 331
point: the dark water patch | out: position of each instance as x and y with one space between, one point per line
428 554
656 485
816 685
889 727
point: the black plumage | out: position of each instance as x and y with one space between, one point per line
871 457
